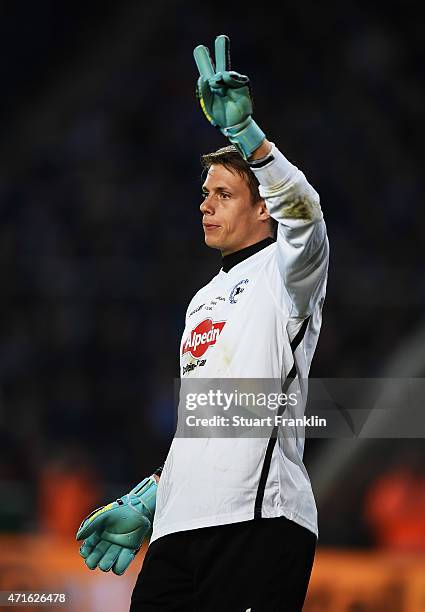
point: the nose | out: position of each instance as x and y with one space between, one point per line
206 206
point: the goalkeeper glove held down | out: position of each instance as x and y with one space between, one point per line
114 533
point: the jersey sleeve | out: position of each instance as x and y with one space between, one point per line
302 243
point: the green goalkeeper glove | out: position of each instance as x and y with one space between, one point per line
114 533
225 97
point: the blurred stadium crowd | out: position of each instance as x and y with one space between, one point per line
101 242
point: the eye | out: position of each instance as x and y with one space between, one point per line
204 194
225 196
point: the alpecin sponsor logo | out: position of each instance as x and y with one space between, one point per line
205 334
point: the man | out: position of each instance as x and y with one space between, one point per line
234 520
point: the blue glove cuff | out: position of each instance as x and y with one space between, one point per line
146 492
246 136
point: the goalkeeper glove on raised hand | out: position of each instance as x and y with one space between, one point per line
114 533
225 97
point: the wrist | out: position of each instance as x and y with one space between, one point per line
247 136
146 492
262 151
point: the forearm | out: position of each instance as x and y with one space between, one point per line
302 246
289 197
285 189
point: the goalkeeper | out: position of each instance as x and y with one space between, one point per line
232 522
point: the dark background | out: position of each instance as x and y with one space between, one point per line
101 247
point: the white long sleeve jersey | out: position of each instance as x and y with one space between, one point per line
268 328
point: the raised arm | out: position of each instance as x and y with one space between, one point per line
302 244
303 251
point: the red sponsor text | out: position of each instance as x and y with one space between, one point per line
205 334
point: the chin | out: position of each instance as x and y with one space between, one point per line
213 244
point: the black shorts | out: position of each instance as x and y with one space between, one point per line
261 565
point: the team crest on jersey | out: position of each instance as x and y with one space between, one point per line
237 290
204 335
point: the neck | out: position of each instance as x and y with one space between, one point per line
232 259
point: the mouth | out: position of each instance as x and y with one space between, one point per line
210 226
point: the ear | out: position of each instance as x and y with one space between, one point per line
263 213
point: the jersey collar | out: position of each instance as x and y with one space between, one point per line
231 260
